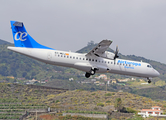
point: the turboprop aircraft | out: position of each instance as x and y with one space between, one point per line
98 60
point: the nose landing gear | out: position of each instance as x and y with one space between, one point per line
149 80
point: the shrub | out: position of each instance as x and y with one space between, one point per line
93 94
57 101
130 110
108 101
108 94
100 104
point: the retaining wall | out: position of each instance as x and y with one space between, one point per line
87 115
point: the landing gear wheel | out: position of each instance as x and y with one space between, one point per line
93 71
149 80
87 75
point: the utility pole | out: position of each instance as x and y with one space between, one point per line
36 114
105 90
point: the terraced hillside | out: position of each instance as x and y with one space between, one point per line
16 99
14 110
102 101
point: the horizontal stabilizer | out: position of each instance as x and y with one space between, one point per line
18 24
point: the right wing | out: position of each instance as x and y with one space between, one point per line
100 48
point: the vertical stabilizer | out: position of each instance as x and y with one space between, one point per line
22 38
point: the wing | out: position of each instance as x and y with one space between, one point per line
100 48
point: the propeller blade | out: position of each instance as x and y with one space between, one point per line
116 53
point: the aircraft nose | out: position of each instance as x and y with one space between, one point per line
157 73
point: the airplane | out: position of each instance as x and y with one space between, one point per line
98 60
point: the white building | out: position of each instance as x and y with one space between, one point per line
155 111
71 79
102 76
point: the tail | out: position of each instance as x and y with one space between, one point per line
22 38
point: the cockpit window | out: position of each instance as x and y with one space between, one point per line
149 66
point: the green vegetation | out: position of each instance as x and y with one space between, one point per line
100 104
76 101
108 94
2 42
118 104
130 110
20 66
18 98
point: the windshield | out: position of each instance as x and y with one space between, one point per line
149 66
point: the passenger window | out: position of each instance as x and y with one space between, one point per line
80 58
92 59
70 56
86 58
67 56
64 56
89 59
76 57
73 57
61 55
96 60
108 62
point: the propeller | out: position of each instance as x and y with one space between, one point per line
116 53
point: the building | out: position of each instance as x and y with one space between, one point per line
11 77
113 81
20 78
123 80
32 81
71 79
155 111
102 76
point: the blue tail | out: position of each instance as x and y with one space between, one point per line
22 38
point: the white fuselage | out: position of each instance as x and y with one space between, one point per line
86 63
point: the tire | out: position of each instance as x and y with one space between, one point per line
87 75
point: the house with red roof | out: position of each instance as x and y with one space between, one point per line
155 111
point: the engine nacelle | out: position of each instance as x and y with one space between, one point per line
108 55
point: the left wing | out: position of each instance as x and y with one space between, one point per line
100 48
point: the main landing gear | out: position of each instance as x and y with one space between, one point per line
149 80
91 72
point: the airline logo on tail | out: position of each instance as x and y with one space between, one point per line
20 36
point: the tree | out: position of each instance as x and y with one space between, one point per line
118 104
24 74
